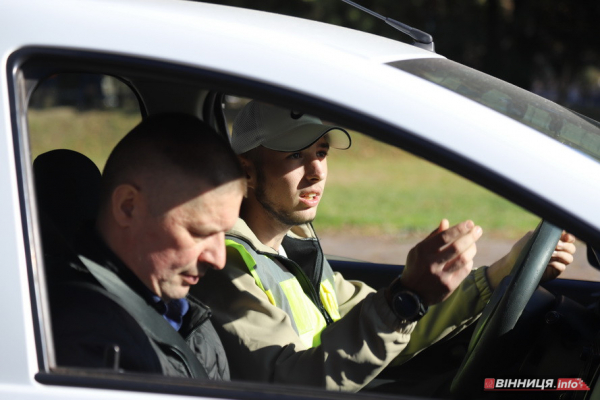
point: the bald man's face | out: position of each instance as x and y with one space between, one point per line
174 249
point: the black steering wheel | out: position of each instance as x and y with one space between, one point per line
505 307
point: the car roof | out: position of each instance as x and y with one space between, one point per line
148 17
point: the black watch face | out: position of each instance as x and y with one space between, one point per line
406 306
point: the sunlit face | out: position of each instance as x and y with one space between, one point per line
175 249
289 186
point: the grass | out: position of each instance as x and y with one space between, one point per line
372 187
393 192
93 133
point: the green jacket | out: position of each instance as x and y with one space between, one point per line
262 341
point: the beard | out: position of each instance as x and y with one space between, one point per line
284 217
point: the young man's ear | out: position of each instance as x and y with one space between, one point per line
125 203
249 170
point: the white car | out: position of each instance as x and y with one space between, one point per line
187 57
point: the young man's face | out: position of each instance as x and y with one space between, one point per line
177 247
289 186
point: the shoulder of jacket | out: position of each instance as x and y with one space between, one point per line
241 231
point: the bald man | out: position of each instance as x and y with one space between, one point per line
170 190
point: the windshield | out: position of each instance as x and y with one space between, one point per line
566 126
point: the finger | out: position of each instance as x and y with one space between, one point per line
459 246
449 235
444 224
562 256
555 268
567 237
463 260
568 247
552 272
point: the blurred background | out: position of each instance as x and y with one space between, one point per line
550 47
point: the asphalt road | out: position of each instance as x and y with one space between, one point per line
393 250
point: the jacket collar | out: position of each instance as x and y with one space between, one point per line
242 230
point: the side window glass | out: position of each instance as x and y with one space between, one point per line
380 201
88 113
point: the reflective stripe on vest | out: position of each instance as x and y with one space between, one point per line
284 291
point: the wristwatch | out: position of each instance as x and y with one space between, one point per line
407 305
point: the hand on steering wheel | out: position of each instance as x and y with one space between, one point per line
505 307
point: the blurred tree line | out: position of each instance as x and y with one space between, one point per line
549 47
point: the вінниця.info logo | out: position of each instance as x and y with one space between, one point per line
535 384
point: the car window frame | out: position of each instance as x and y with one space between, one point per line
27 65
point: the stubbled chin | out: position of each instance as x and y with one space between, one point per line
306 215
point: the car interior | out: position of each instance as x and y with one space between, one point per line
550 331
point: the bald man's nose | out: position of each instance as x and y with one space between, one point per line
214 251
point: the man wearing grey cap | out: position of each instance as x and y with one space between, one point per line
282 313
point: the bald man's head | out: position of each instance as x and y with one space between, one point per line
170 155
171 189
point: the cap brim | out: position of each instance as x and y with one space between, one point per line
304 136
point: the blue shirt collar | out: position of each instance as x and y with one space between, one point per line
173 311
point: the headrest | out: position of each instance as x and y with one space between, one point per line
68 188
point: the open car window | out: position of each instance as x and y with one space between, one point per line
87 113
379 200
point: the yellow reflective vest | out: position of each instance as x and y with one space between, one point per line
304 292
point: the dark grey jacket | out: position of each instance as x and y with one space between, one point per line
89 321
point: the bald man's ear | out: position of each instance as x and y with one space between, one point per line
249 171
126 202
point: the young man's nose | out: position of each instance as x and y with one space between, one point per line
316 170
214 251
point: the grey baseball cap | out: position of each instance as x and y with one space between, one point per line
261 124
